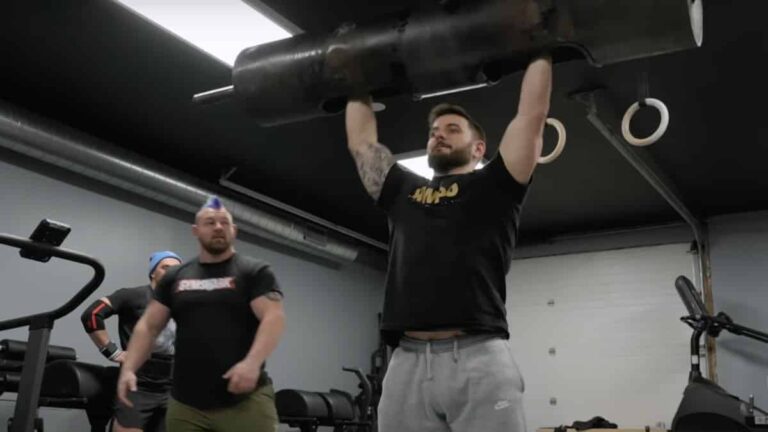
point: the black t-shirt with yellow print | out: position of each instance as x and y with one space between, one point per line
215 325
451 241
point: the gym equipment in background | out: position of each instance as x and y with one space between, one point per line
41 247
705 405
309 410
66 383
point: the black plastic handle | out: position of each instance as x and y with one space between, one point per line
67 255
690 297
366 386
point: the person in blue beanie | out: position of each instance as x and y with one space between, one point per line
154 378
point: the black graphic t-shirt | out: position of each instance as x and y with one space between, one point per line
215 324
451 240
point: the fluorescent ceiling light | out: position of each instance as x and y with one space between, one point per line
222 28
420 166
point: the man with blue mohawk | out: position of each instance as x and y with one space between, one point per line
229 315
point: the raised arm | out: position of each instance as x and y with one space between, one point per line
522 142
373 160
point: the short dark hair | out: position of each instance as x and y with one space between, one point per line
446 108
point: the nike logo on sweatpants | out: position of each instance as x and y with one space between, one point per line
502 404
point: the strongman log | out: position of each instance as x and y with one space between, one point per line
461 45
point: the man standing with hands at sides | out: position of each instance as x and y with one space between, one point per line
229 315
154 378
451 241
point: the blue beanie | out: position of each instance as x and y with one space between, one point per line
156 257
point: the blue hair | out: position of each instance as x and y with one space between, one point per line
213 202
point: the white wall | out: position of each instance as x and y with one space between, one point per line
621 351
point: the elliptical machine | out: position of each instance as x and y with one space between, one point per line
707 407
41 246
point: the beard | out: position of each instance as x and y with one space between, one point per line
444 162
216 245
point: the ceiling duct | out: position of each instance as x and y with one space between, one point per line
85 155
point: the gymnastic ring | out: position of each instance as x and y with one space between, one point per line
560 141
640 142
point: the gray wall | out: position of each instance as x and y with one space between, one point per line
331 310
740 285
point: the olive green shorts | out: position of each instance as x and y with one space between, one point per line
257 413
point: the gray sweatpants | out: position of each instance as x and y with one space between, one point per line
464 384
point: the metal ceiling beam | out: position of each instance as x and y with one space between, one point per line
602 114
225 180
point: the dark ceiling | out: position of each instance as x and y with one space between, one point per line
99 68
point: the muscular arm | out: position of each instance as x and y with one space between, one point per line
144 334
522 141
93 322
100 338
244 375
269 310
373 160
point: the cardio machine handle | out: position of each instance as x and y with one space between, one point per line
67 255
365 385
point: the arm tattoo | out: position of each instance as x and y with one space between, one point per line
373 163
274 296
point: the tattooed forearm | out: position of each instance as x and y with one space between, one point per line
373 162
